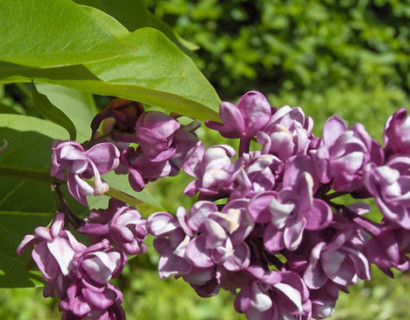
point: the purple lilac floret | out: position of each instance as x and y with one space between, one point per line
396 136
287 134
343 154
121 225
390 186
249 116
72 163
163 144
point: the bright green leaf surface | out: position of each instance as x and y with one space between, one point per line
52 113
24 203
158 73
133 14
77 105
43 33
12 229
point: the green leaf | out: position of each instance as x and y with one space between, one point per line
12 267
43 33
77 105
50 112
158 73
26 201
134 14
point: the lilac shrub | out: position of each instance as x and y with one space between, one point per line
266 225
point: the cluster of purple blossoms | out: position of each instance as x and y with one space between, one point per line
267 226
147 146
76 274
79 275
144 145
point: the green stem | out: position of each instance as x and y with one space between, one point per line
124 197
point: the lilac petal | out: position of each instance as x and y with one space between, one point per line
242 300
198 254
100 266
333 128
214 177
256 111
273 239
265 140
62 252
136 180
172 265
105 156
161 223
259 300
240 258
101 300
27 241
293 234
259 207
319 216
216 235
292 295
280 212
191 164
45 261
232 117
314 276
360 263
199 277
199 213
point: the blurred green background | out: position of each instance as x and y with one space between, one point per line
349 57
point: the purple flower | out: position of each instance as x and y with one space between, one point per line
273 295
124 114
171 242
324 300
120 224
388 249
288 133
212 167
70 162
84 303
340 260
245 119
142 169
254 173
288 212
222 235
155 134
97 265
390 186
343 153
396 136
53 253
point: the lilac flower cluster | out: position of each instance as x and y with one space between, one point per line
162 144
76 274
79 275
266 226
